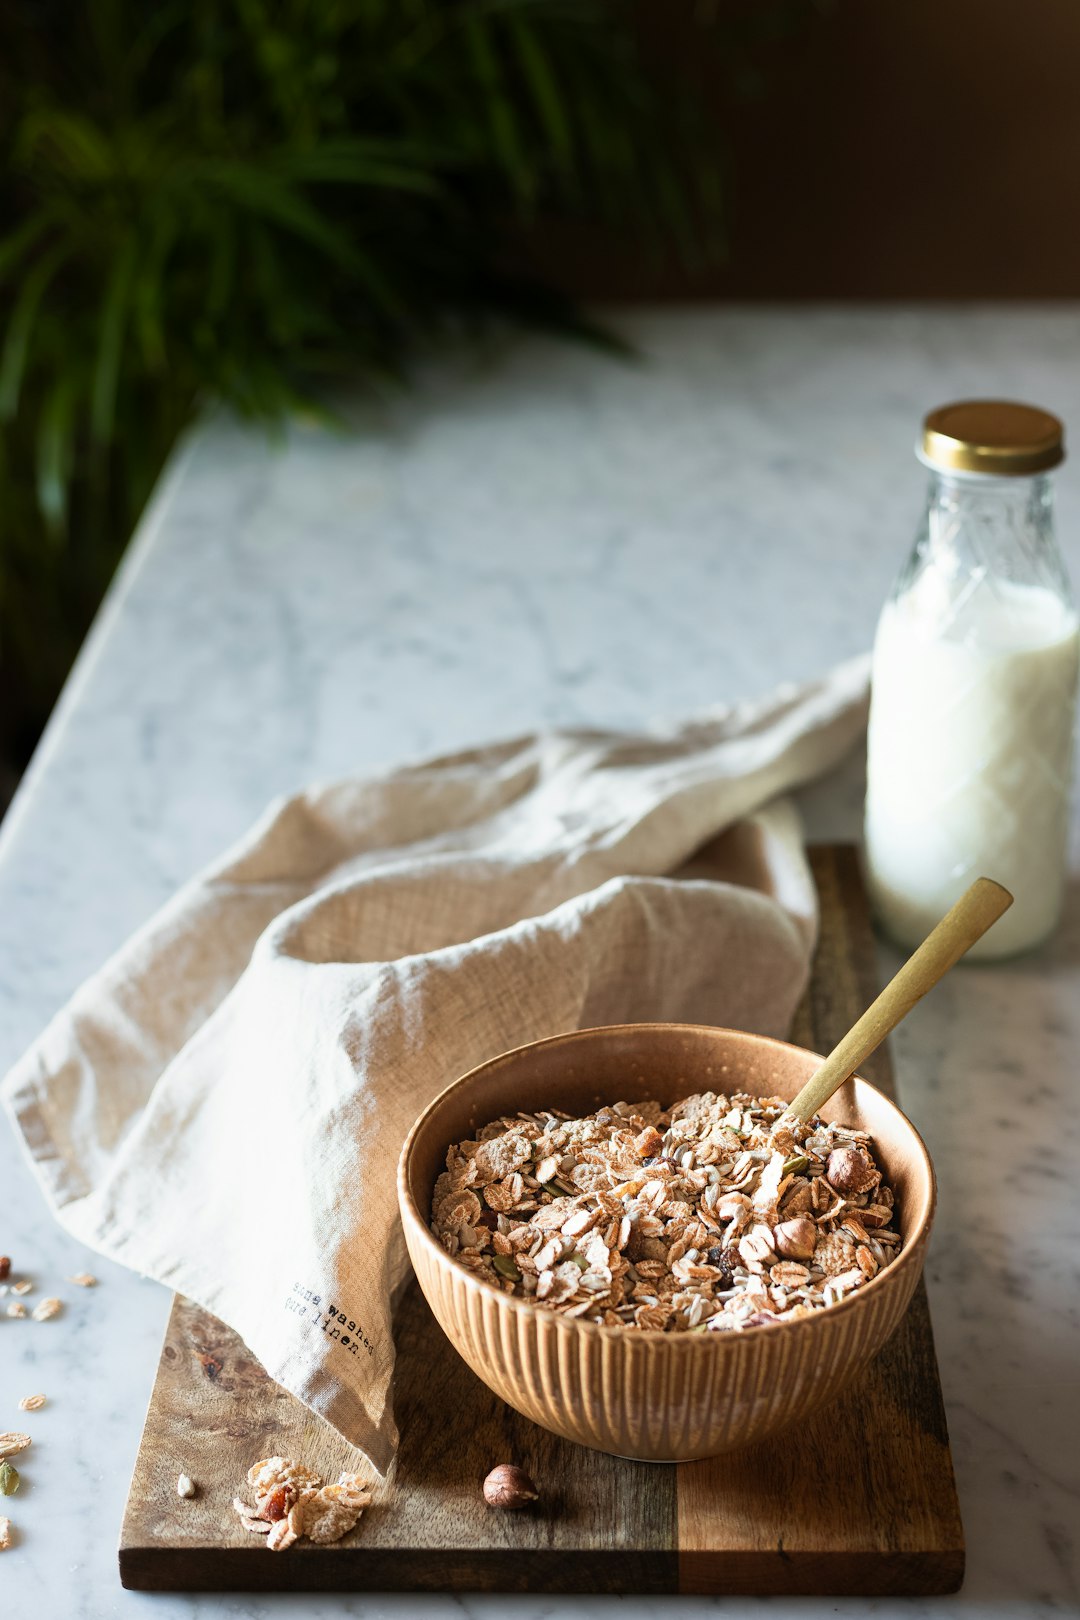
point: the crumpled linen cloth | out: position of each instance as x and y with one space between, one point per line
222 1105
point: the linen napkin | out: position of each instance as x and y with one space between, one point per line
222 1105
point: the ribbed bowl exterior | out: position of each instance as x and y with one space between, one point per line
656 1396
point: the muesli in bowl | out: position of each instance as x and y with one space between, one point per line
666 1393
714 1215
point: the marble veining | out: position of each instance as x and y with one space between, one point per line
545 537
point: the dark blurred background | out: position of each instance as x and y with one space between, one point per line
905 149
238 201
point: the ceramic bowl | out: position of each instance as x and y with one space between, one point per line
652 1395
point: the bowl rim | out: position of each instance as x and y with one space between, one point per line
412 1218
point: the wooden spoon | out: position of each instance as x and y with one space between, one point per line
975 911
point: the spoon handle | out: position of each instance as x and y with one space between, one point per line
972 915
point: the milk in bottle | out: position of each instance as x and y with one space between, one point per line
974 687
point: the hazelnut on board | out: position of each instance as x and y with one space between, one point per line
795 1239
850 1171
509 1487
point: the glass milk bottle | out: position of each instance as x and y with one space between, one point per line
974 686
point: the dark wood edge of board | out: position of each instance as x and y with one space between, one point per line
590 1571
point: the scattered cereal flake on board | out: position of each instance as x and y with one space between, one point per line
267 1475
31 1403
17 1308
282 1534
12 1443
83 1279
330 1513
23 1286
5 1534
46 1308
276 1504
247 1518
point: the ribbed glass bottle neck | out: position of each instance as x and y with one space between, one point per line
990 527
982 496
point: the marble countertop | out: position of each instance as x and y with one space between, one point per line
545 536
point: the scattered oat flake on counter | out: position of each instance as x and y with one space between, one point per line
23 1286
717 1214
46 1309
5 1534
17 1308
83 1279
12 1443
31 1403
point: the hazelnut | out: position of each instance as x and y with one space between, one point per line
509 1487
795 1239
850 1171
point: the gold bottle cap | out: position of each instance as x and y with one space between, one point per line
996 436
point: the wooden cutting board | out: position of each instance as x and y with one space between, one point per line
860 1500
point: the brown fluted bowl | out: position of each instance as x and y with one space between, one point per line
664 1397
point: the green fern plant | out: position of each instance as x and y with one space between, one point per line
238 199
